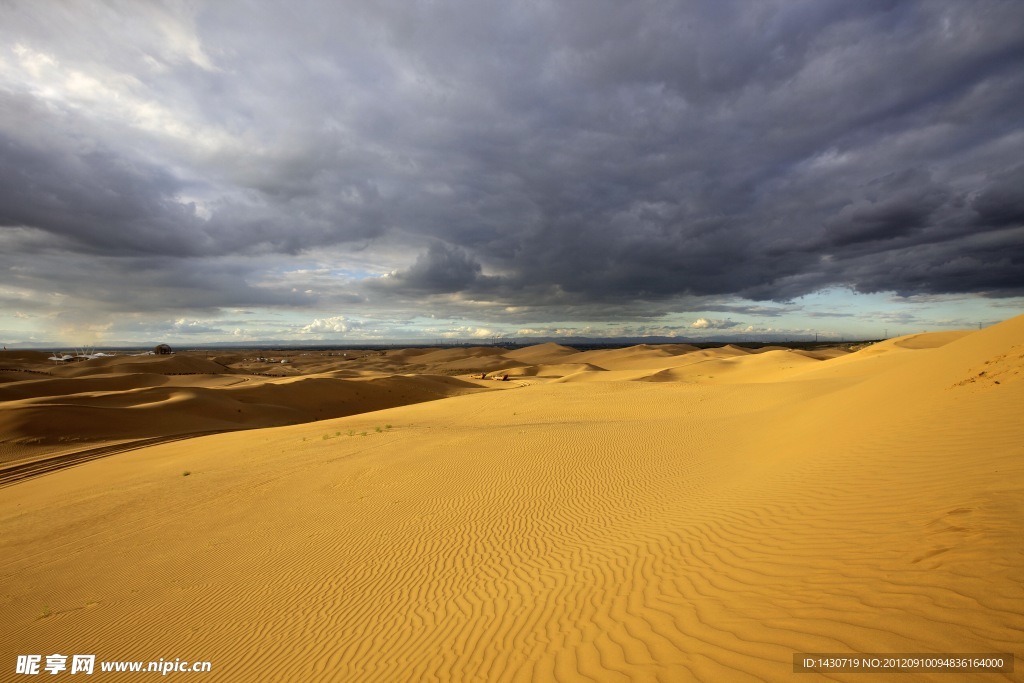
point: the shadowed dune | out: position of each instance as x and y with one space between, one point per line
114 407
108 400
556 370
693 528
34 388
163 365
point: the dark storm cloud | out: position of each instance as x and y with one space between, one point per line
896 205
568 156
1002 202
989 263
441 269
60 176
96 199
119 284
781 151
759 311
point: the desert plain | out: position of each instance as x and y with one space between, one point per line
652 513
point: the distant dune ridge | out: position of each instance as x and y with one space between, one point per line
657 513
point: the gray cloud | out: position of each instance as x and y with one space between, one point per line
1001 203
440 269
896 205
557 160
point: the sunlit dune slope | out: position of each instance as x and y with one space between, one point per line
670 363
558 531
929 340
640 356
541 354
457 354
721 368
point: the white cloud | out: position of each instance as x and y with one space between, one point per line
111 95
183 326
337 323
712 324
471 332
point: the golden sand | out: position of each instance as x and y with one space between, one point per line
647 514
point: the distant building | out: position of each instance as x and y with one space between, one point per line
162 350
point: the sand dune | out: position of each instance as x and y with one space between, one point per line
929 340
825 354
603 530
457 354
541 354
556 370
142 410
109 400
641 356
769 366
470 365
680 363
678 349
163 365
34 388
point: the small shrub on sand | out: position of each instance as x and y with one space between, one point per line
379 430
186 473
387 426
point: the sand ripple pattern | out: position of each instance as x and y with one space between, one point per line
615 531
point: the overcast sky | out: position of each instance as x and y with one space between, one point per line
392 170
